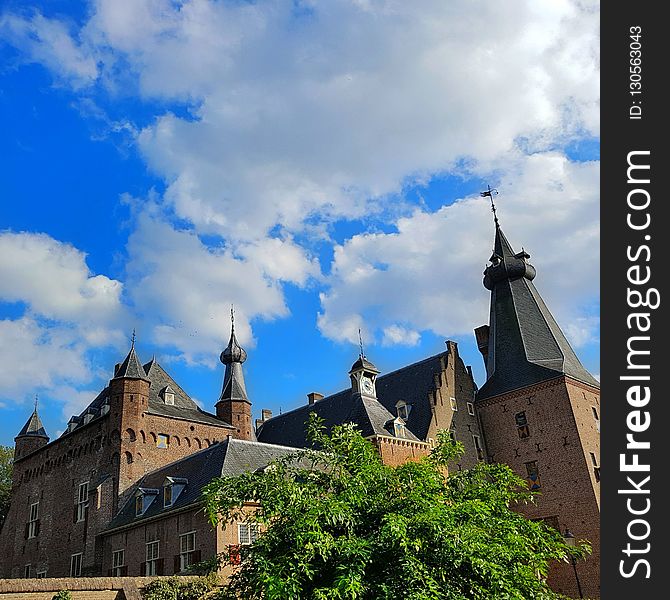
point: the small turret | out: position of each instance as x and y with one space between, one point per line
31 437
234 406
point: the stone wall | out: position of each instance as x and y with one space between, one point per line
82 588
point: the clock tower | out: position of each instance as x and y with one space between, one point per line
363 376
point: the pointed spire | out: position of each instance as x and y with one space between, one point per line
33 426
525 345
131 367
233 357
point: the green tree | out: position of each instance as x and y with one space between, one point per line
340 524
6 467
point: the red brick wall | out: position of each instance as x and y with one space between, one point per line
122 445
394 451
562 433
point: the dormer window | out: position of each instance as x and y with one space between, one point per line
403 409
172 487
143 499
399 429
168 395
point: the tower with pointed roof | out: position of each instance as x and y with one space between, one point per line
539 409
32 436
234 406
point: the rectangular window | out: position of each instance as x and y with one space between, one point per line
26 571
596 473
186 550
533 475
41 574
139 504
596 417
162 440
248 532
478 447
118 563
33 521
471 409
522 424
75 564
167 495
151 565
454 406
82 502
594 460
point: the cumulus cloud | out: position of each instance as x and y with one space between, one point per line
66 311
427 274
50 42
183 288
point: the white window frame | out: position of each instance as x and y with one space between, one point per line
153 551
247 533
26 571
452 402
116 564
76 561
82 501
34 515
186 548
471 409
41 574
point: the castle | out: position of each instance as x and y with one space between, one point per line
119 492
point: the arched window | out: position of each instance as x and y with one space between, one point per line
129 458
130 434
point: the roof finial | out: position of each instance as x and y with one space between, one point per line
36 399
132 343
360 342
490 192
232 316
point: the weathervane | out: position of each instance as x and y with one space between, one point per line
232 316
360 342
133 338
490 192
36 398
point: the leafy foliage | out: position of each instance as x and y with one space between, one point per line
6 467
176 588
62 595
340 524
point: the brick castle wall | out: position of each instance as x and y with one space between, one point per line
562 432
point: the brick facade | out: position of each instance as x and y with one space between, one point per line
559 437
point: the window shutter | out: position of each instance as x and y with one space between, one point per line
25 531
177 563
159 566
37 527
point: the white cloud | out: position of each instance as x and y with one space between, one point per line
66 312
183 288
427 275
53 279
49 42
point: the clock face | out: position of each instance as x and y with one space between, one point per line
367 386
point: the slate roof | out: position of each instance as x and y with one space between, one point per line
131 367
33 427
184 407
526 345
412 384
223 459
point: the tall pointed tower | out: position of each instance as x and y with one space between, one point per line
234 406
31 437
540 411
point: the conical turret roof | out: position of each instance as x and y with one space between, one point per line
526 344
33 427
131 367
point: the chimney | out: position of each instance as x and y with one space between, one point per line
482 335
266 414
259 422
313 397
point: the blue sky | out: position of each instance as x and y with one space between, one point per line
315 163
